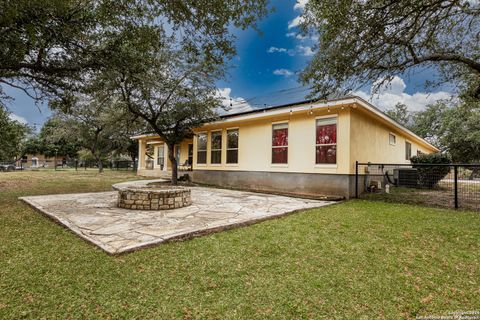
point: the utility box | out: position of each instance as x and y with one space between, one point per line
406 177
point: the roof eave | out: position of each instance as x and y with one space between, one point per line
378 112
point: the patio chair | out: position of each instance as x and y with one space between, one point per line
185 166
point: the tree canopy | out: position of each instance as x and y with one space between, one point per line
453 126
155 59
364 41
89 123
459 132
51 141
170 87
48 46
12 136
401 114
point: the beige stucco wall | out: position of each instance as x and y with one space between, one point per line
255 144
369 141
361 136
184 151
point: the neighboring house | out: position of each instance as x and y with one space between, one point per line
41 161
304 148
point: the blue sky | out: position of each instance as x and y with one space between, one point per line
269 62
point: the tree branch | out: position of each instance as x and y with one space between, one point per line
472 64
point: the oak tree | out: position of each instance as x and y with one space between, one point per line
361 42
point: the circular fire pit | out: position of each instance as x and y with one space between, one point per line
152 197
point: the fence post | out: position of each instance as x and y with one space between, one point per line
76 165
356 179
455 170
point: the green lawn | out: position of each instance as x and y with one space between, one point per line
358 259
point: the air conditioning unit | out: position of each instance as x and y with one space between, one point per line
406 177
377 184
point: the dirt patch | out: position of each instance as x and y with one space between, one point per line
14 184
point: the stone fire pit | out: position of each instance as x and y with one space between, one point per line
152 196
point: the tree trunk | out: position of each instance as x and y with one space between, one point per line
100 165
474 173
134 161
173 160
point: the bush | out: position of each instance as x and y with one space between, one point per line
429 176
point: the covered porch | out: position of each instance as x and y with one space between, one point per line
153 157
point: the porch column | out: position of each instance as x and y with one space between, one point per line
141 154
165 155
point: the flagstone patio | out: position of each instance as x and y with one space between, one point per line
96 218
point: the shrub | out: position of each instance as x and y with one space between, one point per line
429 176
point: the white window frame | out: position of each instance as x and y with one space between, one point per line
411 149
325 165
237 148
281 165
206 149
211 147
161 147
394 138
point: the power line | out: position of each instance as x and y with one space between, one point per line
271 96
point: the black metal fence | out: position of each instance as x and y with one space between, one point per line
127 165
442 185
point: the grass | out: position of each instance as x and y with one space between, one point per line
441 196
355 260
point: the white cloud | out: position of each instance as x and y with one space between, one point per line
300 5
18 118
298 50
295 22
390 94
275 49
395 86
295 35
301 37
238 104
283 72
304 50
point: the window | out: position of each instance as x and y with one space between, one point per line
216 153
392 139
177 153
161 156
34 162
202 148
149 159
280 143
326 141
408 150
190 154
232 146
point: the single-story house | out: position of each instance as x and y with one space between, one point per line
309 147
41 161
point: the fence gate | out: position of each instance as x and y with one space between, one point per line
443 185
